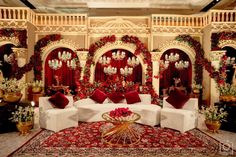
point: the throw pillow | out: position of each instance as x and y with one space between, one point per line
59 100
98 96
177 99
132 97
116 97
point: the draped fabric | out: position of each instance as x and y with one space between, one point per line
135 77
171 72
66 75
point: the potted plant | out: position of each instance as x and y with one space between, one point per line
37 86
213 117
23 117
227 92
12 89
196 87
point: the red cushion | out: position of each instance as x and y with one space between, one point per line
59 100
116 97
132 97
177 99
98 96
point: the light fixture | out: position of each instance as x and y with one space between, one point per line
118 55
164 64
172 57
110 70
71 64
230 60
64 56
181 65
133 61
126 71
104 60
54 64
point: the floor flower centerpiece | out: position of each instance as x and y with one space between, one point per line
37 86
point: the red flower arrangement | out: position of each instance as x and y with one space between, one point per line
120 112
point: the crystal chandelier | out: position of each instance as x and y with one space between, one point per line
71 64
172 57
110 70
104 60
64 56
181 64
118 55
230 60
126 71
54 64
164 64
133 62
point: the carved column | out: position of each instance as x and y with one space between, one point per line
155 71
82 58
215 57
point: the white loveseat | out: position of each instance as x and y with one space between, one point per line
90 111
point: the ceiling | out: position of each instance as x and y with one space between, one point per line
121 7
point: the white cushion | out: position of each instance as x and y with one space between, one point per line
145 98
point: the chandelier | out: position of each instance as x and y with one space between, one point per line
64 56
104 60
172 57
126 71
71 64
230 60
110 70
133 62
164 64
118 55
54 64
181 64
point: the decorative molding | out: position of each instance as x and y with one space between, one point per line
176 29
223 26
13 24
56 29
155 56
13 40
223 43
20 52
82 55
216 55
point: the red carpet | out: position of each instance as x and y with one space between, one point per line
85 140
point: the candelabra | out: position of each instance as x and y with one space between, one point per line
104 60
118 55
172 57
133 62
126 71
64 56
181 65
230 60
54 64
110 70
71 64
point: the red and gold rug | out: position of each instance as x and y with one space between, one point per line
85 140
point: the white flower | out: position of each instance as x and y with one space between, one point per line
23 114
12 85
37 83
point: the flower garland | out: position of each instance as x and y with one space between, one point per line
217 37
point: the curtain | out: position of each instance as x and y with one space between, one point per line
66 75
171 72
135 77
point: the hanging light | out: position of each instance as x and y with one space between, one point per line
54 64
133 61
126 71
71 64
118 55
230 60
172 57
104 60
181 64
64 56
110 70
164 64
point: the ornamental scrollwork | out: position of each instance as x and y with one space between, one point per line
14 40
223 43
217 55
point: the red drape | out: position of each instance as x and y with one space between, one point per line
136 76
66 75
171 72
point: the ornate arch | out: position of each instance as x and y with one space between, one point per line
230 43
117 45
9 40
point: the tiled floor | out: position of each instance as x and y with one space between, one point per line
11 141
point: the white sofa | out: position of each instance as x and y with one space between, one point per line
90 111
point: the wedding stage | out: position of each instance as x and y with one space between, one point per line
85 140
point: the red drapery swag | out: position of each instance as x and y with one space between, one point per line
135 77
66 75
171 72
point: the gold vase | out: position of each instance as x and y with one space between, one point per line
36 89
12 96
213 125
24 127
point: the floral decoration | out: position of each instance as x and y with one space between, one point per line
214 113
217 37
12 85
120 112
23 114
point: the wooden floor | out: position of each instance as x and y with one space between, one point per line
11 141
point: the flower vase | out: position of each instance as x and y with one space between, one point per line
12 96
24 127
36 89
213 125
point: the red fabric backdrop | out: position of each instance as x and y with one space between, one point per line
65 74
171 72
137 71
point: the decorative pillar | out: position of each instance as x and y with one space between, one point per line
155 71
215 57
82 58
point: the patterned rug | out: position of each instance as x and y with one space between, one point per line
85 140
